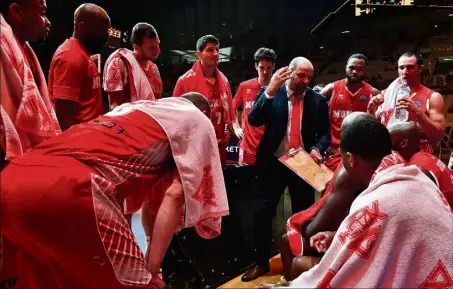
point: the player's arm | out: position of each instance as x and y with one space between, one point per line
433 124
166 222
375 91
237 102
117 95
68 73
375 104
327 90
232 116
337 204
65 110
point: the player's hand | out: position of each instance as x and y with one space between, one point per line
316 156
409 105
374 103
157 282
277 80
239 132
321 241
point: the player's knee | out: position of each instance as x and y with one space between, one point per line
303 264
175 193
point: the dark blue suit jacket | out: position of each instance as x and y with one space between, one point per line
273 113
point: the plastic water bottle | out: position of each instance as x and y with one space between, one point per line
402 114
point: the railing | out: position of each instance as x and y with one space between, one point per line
434 80
443 38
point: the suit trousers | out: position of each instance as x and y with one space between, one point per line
272 182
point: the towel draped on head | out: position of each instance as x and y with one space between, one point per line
196 154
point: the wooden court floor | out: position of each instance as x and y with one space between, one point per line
273 277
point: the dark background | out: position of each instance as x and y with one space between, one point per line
246 25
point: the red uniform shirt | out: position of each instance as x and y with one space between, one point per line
113 81
222 112
110 142
342 103
74 76
216 111
246 95
442 173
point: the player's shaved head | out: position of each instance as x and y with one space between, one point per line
364 136
406 138
90 12
91 26
408 130
199 101
364 143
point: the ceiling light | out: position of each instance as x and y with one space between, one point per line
345 32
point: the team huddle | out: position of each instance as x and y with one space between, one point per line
386 215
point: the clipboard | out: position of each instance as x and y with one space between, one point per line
301 163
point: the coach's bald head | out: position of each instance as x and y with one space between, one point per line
301 74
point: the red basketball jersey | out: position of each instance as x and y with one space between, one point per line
342 103
245 96
440 170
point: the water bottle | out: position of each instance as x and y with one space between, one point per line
402 114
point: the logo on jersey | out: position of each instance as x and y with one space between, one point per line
248 91
215 103
418 103
156 72
249 104
341 113
363 98
96 82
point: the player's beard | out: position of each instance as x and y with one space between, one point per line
351 80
